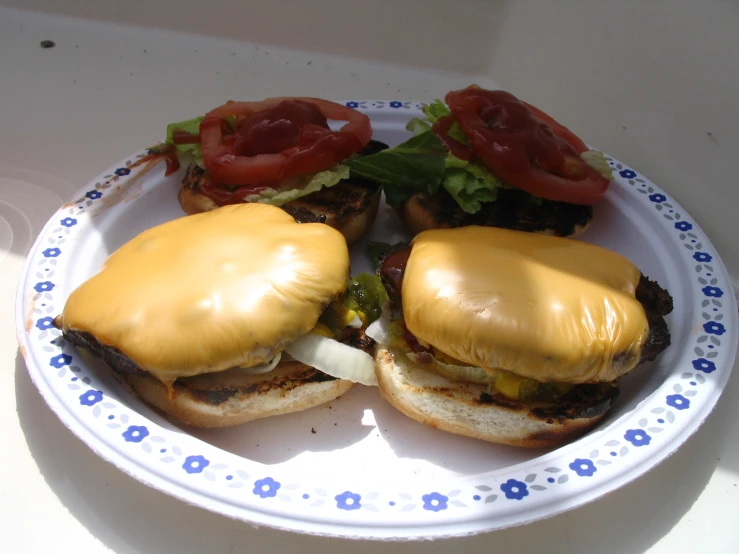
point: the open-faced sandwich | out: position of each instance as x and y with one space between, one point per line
512 337
485 157
279 151
229 315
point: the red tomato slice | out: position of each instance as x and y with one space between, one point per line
183 137
309 145
526 147
441 129
560 130
357 123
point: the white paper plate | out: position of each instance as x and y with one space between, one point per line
356 467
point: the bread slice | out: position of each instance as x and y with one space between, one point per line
468 409
349 206
231 397
513 209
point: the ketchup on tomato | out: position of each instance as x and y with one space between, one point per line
276 129
525 147
277 139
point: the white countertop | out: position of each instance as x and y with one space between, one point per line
656 89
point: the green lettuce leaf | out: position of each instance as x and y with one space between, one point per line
418 126
423 164
467 190
191 126
395 195
471 183
598 161
417 165
302 186
436 110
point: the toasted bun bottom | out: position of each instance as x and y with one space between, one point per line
466 408
354 227
348 207
232 398
421 213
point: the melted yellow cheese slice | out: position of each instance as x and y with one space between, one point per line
207 292
543 307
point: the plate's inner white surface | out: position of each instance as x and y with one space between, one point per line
359 434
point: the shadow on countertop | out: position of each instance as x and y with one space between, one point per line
130 517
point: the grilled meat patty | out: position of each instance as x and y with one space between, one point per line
513 209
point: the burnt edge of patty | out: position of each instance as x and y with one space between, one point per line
357 338
653 297
657 303
584 401
303 215
122 365
513 209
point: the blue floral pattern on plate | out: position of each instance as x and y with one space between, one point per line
51 253
135 433
434 502
348 501
195 464
706 366
678 401
638 437
583 467
266 488
190 464
44 286
60 360
514 490
91 397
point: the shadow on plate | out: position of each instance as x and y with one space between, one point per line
332 426
129 517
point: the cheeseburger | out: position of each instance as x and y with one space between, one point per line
484 157
230 315
512 337
279 151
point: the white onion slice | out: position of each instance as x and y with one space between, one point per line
379 330
472 374
261 368
334 358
